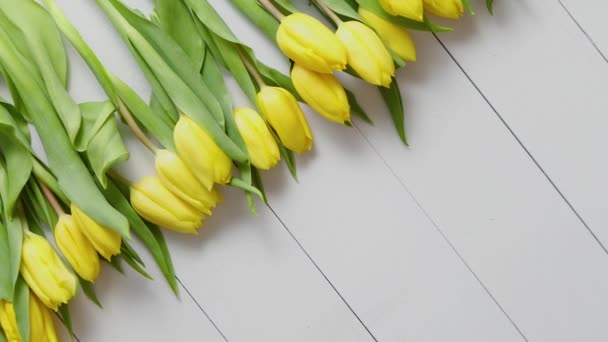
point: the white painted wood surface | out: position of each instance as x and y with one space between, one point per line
460 237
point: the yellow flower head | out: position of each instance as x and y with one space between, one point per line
155 203
396 38
200 153
451 9
322 92
308 42
45 273
177 178
105 241
286 117
411 9
42 328
8 322
261 146
76 248
367 55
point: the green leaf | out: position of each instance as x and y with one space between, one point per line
65 163
394 102
2 338
22 308
342 8
174 70
11 239
285 6
130 259
356 108
89 290
490 6
212 75
116 263
66 319
104 146
258 15
148 233
17 161
38 204
175 19
468 7
45 45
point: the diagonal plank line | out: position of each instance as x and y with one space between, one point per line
200 307
443 235
597 48
521 144
322 273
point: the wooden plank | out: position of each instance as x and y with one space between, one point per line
137 309
548 83
588 14
482 189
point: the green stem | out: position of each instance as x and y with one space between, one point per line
252 70
126 114
331 14
272 9
51 198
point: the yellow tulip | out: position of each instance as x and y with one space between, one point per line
322 92
76 248
201 154
8 322
261 146
286 117
451 9
45 273
42 328
106 241
158 205
395 37
411 9
177 178
308 42
367 55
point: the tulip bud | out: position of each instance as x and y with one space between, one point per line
261 146
177 178
308 42
106 241
8 322
157 204
322 92
367 55
411 9
396 38
76 248
45 273
42 328
451 9
201 154
286 117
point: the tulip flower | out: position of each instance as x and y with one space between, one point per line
204 158
45 273
412 9
42 328
106 242
308 42
155 203
451 9
261 146
322 92
177 178
367 55
395 37
286 117
76 248
8 322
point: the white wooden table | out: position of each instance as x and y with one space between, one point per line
491 227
